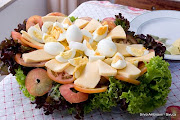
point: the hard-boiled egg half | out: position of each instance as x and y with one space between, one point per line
100 33
47 27
118 61
74 34
35 33
53 48
66 23
65 56
88 49
136 51
87 36
107 47
57 30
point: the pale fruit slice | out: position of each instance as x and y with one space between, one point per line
89 77
105 69
145 58
56 66
36 56
130 71
52 19
117 33
92 25
81 23
37 82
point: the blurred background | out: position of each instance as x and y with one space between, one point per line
13 12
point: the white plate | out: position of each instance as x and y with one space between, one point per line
162 23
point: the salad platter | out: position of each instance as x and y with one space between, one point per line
80 65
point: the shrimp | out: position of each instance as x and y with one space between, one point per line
17 36
33 20
56 14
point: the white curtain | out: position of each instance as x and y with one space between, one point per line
64 6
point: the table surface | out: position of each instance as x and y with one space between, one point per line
15 106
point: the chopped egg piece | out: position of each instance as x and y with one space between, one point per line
78 60
108 61
65 44
135 51
35 33
65 56
76 46
53 48
88 49
100 33
107 47
57 30
95 58
87 36
118 61
47 27
66 23
74 34
62 36
48 38
78 70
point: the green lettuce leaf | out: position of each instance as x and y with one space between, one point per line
106 100
20 77
152 91
72 18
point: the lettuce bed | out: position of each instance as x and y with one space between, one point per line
147 96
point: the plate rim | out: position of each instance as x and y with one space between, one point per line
134 25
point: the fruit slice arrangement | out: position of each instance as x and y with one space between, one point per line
75 58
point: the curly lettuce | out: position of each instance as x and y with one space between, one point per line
20 77
152 91
147 96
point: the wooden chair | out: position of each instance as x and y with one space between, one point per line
152 4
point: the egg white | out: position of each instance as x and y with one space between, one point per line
120 63
66 25
87 34
46 26
98 37
53 48
88 49
33 30
74 34
62 58
107 47
76 46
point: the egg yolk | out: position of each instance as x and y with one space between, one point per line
66 55
138 52
49 30
78 70
102 30
65 44
79 53
56 32
80 60
66 21
86 38
37 35
49 38
89 46
94 45
116 58
97 54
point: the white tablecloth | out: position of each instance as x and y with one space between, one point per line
15 106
